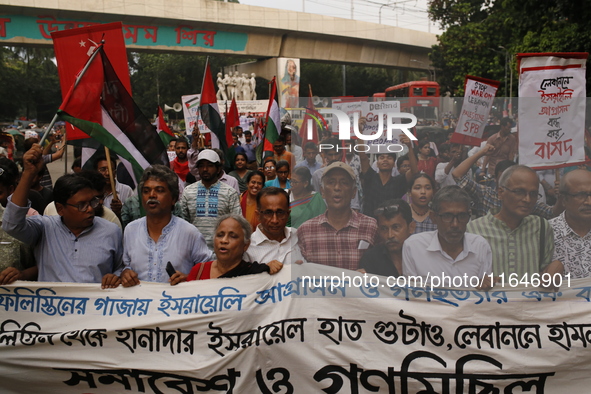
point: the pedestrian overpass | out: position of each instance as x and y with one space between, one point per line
220 28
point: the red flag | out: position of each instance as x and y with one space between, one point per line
232 120
208 106
308 119
72 49
162 128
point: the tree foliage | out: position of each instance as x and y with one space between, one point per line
479 33
29 83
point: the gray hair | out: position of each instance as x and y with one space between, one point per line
241 221
509 171
452 193
162 174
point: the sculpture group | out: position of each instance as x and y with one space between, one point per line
236 87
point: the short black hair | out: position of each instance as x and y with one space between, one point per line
253 173
400 160
281 164
271 191
502 166
100 158
183 140
68 185
98 181
403 209
311 145
10 175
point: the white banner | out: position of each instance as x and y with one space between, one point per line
293 333
478 100
371 112
551 111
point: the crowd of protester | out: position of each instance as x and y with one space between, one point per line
429 210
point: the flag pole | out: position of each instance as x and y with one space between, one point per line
111 176
86 67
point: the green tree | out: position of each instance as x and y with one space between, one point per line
479 33
29 82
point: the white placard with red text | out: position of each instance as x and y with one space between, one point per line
478 100
551 110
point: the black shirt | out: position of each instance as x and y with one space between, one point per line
374 193
377 261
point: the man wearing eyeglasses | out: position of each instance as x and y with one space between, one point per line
522 243
75 246
273 240
449 252
572 229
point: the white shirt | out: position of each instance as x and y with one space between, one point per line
446 179
123 193
263 250
422 255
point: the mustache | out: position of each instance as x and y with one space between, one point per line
152 200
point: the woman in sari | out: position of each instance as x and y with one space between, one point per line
304 203
248 200
231 240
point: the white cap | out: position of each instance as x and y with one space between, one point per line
209 155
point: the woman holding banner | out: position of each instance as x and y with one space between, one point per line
231 240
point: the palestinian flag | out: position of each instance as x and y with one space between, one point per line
123 129
210 113
273 123
162 128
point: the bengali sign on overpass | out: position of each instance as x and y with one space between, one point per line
14 28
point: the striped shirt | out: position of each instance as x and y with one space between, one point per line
61 256
515 251
485 199
202 206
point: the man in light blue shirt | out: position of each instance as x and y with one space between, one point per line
75 246
160 237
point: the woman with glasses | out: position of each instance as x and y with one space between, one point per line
269 169
248 200
421 190
240 172
231 240
282 180
304 202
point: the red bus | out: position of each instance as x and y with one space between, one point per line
420 98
